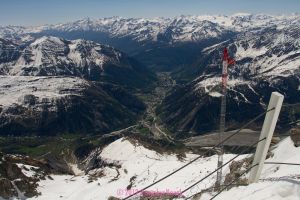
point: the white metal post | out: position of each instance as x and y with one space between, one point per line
266 132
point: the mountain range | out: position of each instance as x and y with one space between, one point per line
108 105
160 43
178 29
265 47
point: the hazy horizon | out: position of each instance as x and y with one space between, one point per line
34 12
96 18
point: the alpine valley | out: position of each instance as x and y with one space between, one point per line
72 95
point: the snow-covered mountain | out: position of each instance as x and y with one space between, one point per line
47 105
67 86
266 60
162 43
52 56
266 49
180 29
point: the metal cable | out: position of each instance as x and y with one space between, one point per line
198 157
220 167
281 163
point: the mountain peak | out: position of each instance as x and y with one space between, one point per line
241 14
46 39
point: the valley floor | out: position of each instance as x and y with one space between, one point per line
152 99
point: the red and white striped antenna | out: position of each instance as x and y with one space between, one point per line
226 62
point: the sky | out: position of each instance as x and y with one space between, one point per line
39 12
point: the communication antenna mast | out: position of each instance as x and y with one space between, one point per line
226 62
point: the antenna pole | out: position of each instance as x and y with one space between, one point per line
225 63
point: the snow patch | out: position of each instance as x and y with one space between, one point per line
215 94
41 88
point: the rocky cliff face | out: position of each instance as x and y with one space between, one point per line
20 175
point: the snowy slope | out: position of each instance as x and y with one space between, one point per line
277 182
18 89
135 160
